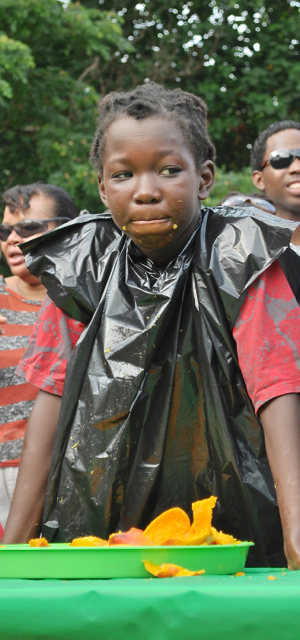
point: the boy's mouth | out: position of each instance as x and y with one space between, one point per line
294 187
152 221
152 226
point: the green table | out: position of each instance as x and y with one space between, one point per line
249 607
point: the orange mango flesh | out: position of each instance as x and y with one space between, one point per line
201 527
89 541
169 570
218 537
133 537
202 515
169 524
39 542
172 527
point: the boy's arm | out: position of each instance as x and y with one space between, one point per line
281 423
24 520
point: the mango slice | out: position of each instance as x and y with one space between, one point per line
173 523
218 537
89 541
172 527
169 570
39 542
201 527
133 538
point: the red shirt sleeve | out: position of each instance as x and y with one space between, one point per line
52 341
267 334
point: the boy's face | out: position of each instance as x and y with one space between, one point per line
282 186
151 185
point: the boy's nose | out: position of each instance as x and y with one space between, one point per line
146 190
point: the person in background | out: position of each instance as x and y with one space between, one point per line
239 199
31 210
275 161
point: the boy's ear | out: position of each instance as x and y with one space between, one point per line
258 180
102 192
207 177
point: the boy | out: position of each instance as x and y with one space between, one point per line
155 412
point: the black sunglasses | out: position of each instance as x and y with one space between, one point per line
242 200
27 228
281 158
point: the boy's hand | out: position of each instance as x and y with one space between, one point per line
281 423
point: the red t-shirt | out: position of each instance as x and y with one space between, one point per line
16 396
266 333
51 344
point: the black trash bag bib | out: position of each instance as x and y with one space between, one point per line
155 412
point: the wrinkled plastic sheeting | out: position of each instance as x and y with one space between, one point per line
155 412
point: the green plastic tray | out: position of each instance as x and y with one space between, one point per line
65 562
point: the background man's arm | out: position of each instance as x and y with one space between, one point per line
281 423
24 520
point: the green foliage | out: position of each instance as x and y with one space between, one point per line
4 268
15 61
57 59
241 56
46 131
231 181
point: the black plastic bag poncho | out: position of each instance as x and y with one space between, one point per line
155 412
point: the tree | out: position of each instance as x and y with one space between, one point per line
241 56
48 109
15 62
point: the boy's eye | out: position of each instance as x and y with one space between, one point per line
122 175
169 171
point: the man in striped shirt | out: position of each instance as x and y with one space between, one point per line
30 211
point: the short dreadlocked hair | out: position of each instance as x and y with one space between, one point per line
145 101
259 147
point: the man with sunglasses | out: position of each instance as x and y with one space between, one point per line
275 162
31 210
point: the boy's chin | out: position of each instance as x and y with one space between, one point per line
153 242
